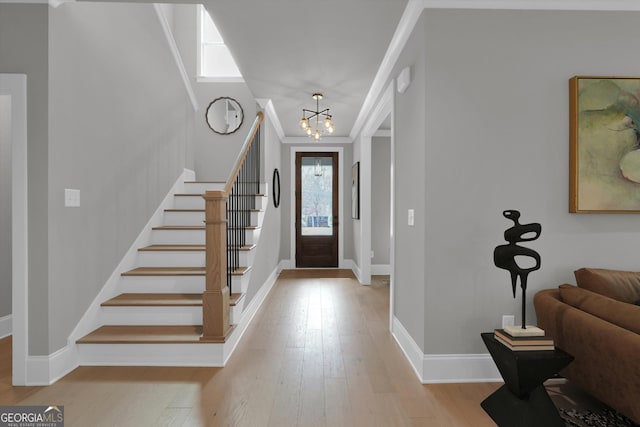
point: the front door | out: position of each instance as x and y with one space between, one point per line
316 210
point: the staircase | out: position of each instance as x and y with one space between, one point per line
156 318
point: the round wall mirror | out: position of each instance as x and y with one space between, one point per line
224 115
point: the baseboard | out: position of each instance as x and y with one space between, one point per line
5 326
356 270
250 311
286 264
46 370
380 269
411 350
444 368
459 368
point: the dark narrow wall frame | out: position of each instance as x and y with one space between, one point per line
276 188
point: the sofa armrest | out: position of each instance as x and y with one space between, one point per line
606 356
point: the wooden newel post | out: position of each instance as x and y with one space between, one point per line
215 300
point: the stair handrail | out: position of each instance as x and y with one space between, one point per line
222 242
243 152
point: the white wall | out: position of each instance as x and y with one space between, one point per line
497 137
5 205
120 119
380 199
24 49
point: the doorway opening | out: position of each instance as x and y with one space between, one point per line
317 207
14 87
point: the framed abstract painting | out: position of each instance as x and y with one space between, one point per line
355 191
604 154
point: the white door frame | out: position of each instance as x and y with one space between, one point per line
292 198
15 85
383 109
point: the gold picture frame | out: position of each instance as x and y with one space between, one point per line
604 153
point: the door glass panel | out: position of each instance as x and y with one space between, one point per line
317 186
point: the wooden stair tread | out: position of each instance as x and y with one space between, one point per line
244 248
235 298
179 227
165 271
173 248
156 334
154 300
241 271
177 271
188 195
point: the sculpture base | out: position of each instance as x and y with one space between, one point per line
529 331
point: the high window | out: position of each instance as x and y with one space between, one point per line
215 61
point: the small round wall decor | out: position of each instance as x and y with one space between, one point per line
276 188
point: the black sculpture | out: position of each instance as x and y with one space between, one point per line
504 256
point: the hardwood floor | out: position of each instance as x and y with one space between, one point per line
318 353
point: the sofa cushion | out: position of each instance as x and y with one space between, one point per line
620 285
619 313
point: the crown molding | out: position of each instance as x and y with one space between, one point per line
305 140
415 7
407 22
267 106
577 5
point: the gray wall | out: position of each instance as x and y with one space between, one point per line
268 249
288 197
5 205
24 49
410 177
214 154
120 117
380 199
497 137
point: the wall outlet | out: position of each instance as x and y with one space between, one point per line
508 320
71 198
410 217
371 254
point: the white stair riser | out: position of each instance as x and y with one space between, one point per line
162 284
188 202
152 315
178 237
151 354
171 259
202 187
236 312
255 218
247 257
183 218
197 202
261 202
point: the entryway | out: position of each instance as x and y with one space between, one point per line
317 225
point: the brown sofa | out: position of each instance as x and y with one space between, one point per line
598 322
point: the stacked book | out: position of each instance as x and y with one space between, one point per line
524 343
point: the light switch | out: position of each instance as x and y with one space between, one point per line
410 217
71 198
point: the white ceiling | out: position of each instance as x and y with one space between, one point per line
288 49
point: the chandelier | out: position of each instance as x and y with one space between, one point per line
318 130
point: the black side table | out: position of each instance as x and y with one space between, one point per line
523 401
